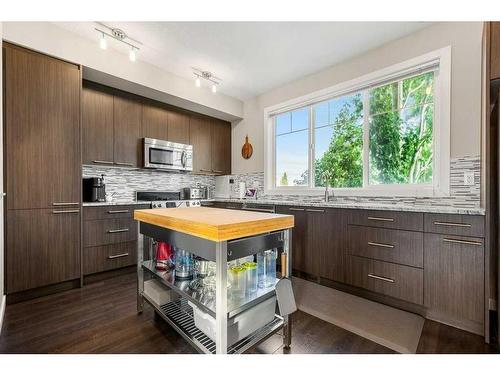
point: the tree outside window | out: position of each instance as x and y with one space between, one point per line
397 119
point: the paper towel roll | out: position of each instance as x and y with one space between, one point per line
243 189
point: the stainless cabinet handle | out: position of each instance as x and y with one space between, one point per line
231 207
465 242
127 164
118 256
102 162
386 279
380 245
258 209
118 230
448 224
313 210
65 203
216 171
380 218
296 209
118 212
206 170
65 211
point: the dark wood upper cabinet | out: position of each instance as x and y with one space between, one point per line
178 127
221 147
154 121
200 138
127 130
495 50
97 125
42 130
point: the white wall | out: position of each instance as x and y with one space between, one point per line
465 40
2 297
53 40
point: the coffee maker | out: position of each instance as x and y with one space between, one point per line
94 189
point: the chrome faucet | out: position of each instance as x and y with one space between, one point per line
327 175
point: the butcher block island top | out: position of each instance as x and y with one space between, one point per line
215 224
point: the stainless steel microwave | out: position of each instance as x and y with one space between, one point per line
160 154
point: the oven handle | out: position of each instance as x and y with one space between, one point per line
183 159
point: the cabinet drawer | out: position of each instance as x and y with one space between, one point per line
396 246
387 219
402 282
111 212
108 257
103 232
458 225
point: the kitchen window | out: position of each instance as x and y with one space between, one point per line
383 134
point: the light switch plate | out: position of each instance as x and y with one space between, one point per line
468 178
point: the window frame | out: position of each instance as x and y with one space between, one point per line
441 130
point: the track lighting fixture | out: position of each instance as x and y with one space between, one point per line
207 76
119 35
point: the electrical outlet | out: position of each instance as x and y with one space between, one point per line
468 178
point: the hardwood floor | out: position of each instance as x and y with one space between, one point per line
101 318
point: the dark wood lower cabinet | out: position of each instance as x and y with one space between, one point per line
395 280
42 247
454 280
332 242
109 257
109 237
439 275
300 262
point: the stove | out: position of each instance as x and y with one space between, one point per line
166 199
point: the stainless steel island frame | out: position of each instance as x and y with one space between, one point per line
180 315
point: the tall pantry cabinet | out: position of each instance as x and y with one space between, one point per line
42 169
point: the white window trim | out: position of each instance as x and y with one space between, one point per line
440 186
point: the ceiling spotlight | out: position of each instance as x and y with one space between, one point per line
214 88
197 82
102 42
132 55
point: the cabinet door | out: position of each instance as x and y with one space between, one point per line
97 125
299 238
154 121
454 277
178 127
200 138
221 147
332 241
495 50
42 130
42 247
127 131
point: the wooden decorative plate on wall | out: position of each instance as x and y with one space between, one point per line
247 149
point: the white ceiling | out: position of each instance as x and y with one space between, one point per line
251 57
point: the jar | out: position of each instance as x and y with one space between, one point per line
251 277
266 263
238 281
183 264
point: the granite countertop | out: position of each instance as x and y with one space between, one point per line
362 205
114 203
333 204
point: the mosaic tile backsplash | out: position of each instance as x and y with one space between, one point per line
460 195
124 182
